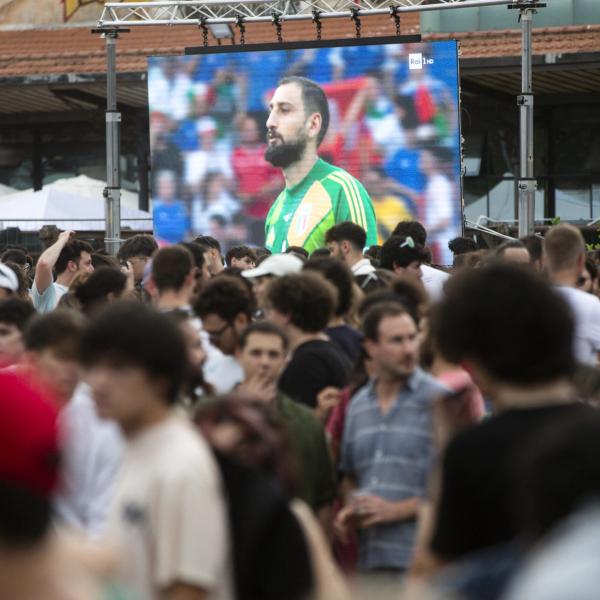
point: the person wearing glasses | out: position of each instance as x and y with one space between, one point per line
225 307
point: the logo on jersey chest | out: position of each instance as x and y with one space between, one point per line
312 210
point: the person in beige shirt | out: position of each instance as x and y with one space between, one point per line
168 510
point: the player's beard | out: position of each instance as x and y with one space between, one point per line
284 153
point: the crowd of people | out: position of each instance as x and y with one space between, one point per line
392 127
179 424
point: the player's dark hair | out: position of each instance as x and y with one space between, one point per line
71 251
509 321
264 328
141 244
170 267
132 334
314 100
225 296
347 231
306 298
339 275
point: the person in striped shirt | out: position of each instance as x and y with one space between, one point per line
317 195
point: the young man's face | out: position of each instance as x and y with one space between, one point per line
121 392
289 128
262 355
11 344
335 250
138 264
85 263
414 269
224 334
395 351
259 288
58 372
244 263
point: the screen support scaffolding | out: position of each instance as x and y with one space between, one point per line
116 16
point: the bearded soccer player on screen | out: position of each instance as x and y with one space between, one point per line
317 195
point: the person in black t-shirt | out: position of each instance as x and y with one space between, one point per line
302 305
513 334
338 330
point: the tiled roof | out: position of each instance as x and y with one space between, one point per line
74 50
507 42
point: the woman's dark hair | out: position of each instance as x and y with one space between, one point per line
264 443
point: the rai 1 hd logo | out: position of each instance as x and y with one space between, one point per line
416 61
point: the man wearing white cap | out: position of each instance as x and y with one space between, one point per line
9 284
276 265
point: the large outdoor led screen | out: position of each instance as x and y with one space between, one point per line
390 150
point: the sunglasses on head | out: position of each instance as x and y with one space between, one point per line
408 242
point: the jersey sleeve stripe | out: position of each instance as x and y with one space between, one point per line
351 182
354 209
361 205
351 205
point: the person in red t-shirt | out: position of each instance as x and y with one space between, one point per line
258 181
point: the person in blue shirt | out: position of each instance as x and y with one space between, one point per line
171 219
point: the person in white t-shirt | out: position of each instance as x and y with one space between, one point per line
169 511
346 242
92 448
433 279
68 257
225 307
564 259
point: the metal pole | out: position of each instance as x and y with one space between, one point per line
112 191
527 183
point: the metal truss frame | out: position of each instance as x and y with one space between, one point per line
117 17
193 12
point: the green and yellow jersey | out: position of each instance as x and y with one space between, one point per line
301 215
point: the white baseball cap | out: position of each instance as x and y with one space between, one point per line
277 265
8 278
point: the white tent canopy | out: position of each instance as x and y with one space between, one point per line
6 189
75 203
